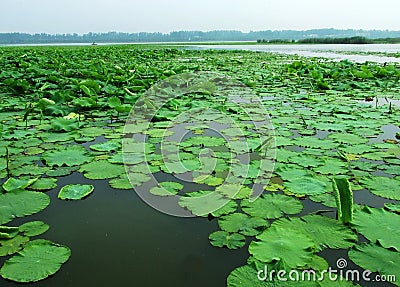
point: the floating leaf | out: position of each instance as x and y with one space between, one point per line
291 247
202 202
167 189
8 232
110 145
14 184
10 246
306 186
21 203
242 223
75 191
120 183
69 156
102 170
383 186
230 240
325 232
272 206
60 125
378 225
43 184
246 276
376 259
34 228
24 267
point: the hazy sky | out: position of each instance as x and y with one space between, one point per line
82 16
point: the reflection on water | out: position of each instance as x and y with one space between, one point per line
321 50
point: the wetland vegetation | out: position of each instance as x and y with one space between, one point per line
335 186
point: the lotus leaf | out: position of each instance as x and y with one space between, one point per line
382 186
21 203
75 191
101 170
242 223
64 125
377 259
230 240
43 184
23 267
272 206
306 186
34 228
293 248
15 184
325 232
10 246
378 225
68 156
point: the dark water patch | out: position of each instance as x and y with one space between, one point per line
118 240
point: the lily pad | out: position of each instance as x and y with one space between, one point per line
306 186
102 170
378 225
75 191
291 247
325 232
43 184
272 206
10 246
383 186
68 156
24 266
230 240
64 125
167 189
377 259
14 184
21 203
242 223
34 228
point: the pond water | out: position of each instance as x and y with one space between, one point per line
118 240
331 51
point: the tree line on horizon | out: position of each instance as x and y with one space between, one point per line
193 36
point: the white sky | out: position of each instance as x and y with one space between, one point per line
82 16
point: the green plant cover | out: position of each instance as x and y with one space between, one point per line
242 223
12 245
382 186
64 125
120 183
378 225
306 186
377 259
293 248
325 232
33 228
271 206
75 191
21 203
8 232
111 145
23 267
167 188
67 156
230 240
15 184
101 170
43 184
